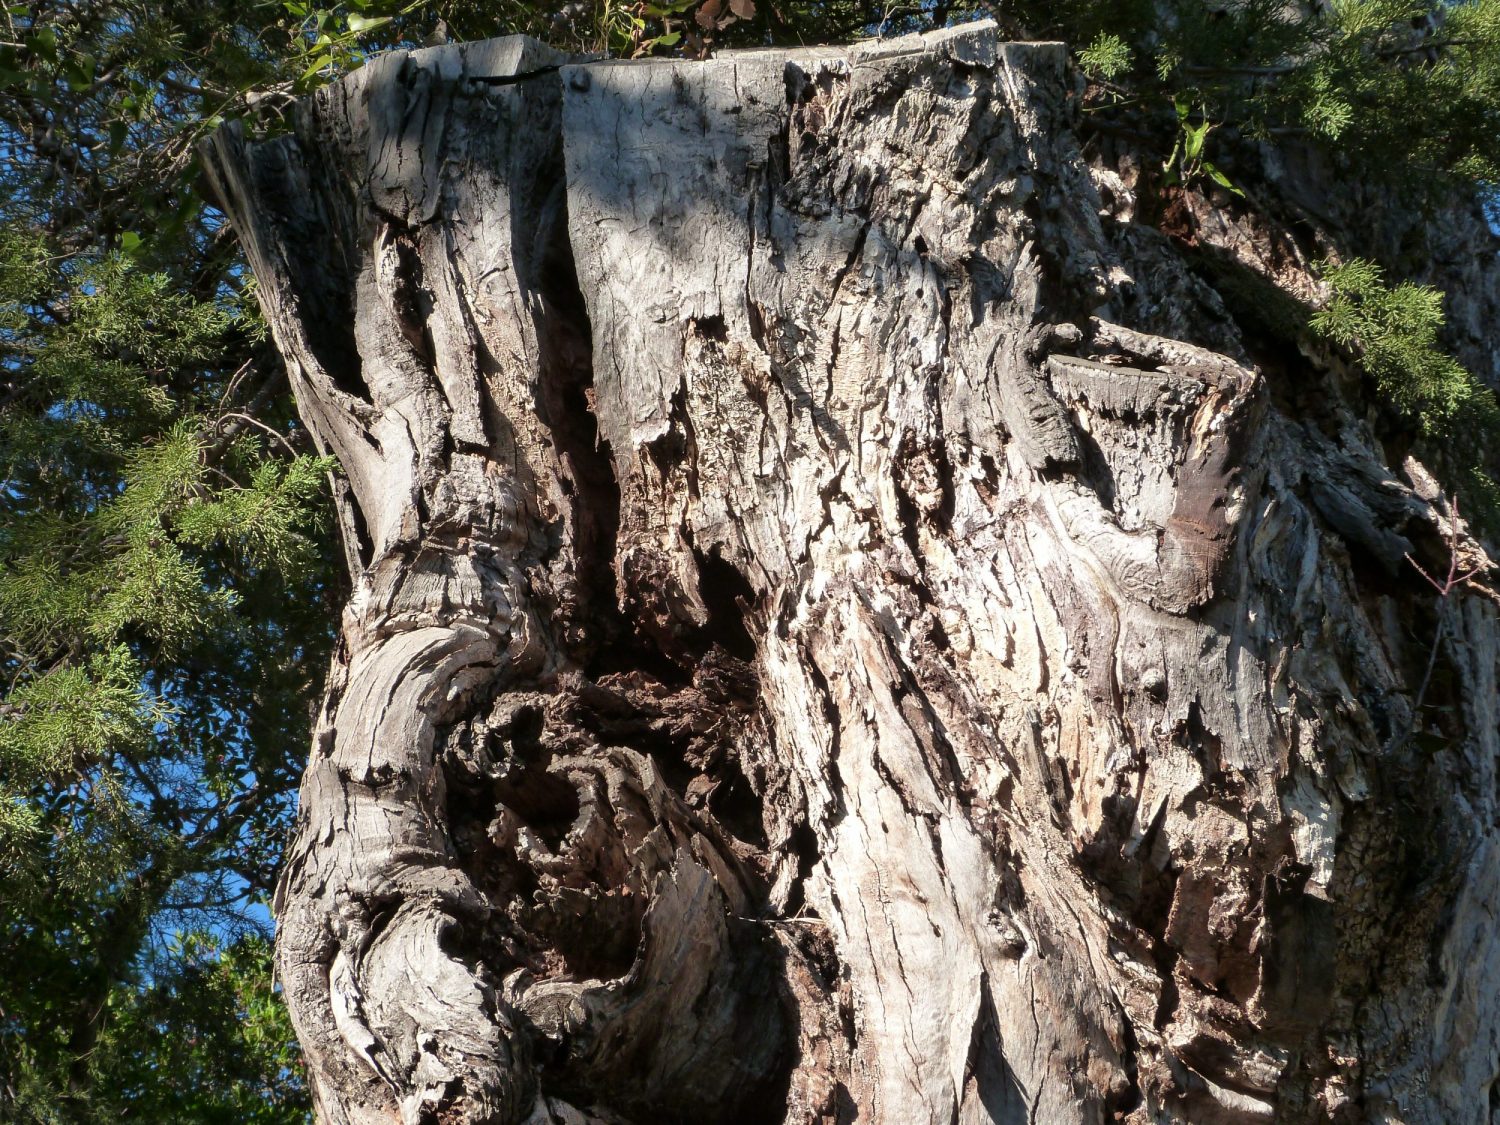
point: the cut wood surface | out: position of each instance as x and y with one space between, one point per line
848 627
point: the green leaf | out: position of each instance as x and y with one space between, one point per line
318 64
130 243
361 24
44 43
79 72
1222 180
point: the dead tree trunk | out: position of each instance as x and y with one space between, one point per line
848 628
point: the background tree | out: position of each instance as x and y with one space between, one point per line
165 583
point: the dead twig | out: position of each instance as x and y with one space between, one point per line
1450 582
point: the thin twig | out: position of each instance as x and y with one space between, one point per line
1450 583
259 425
1421 697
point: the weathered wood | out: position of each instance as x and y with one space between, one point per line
846 625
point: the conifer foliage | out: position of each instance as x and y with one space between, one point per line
1395 330
166 584
1406 88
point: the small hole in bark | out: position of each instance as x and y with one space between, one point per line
804 845
757 324
737 807
711 328
943 516
988 485
544 802
796 82
326 315
1204 742
364 547
524 733
1125 1097
1166 967
729 597
1096 467
668 450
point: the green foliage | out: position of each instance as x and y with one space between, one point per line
145 717
1188 162
150 725
1406 90
1395 331
332 41
1382 65
1106 57
207 1039
329 41
73 714
203 1039
106 101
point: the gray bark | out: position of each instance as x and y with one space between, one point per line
847 626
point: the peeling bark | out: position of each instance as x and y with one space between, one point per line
847 626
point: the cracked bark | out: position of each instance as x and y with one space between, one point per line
847 626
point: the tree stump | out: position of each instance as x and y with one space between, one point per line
847 628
